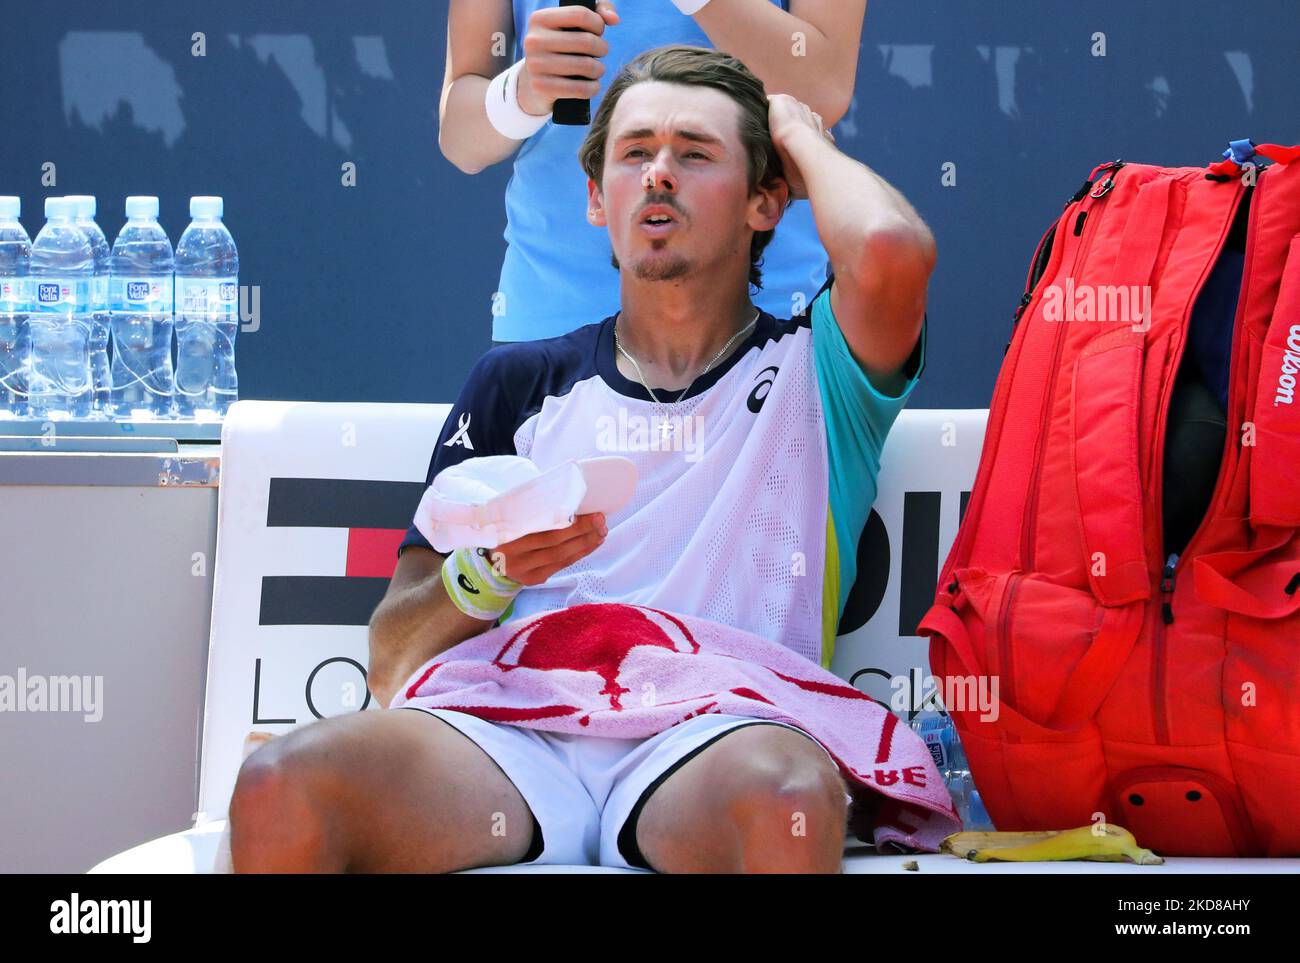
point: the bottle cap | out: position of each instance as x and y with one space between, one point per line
82 205
206 207
57 207
11 207
138 207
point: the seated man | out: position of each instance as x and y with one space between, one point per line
756 477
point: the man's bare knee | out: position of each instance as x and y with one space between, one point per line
762 800
392 791
279 811
791 823
787 773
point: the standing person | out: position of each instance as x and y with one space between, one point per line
556 275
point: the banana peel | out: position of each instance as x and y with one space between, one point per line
1100 843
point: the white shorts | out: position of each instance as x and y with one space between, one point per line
585 792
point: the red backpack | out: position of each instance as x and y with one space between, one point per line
1158 685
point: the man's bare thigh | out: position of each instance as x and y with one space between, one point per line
407 792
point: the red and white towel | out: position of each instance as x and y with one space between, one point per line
628 671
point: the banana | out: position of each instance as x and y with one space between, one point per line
1104 843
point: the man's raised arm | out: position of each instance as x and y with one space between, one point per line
881 252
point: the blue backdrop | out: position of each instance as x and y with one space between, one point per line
381 292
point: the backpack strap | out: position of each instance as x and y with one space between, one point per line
1278 153
1106 400
1262 582
1139 245
1242 152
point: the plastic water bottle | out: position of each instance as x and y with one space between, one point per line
15 306
207 313
940 735
933 730
961 784
140 305
63 267
84 208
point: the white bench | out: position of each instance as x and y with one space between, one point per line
313 501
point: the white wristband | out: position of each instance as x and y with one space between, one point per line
503 108
690 7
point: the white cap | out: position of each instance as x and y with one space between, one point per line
141 207
83 205
493 499
11 207
206 207
57 207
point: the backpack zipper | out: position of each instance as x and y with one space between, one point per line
1006 684
1159 665
1042 254
1036 268
1174 562
1167 590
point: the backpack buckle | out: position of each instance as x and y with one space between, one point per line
1106 185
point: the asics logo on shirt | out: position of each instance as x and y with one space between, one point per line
764 385
462 434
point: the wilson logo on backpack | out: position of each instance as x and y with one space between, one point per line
1290 366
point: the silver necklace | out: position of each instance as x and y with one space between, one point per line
666 427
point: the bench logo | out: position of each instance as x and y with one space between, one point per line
1290 367
137 290
367 520
48 293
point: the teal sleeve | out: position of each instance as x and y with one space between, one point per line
858 417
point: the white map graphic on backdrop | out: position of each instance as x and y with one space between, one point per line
95 83
372 57
101 71
295 55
